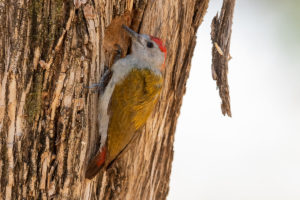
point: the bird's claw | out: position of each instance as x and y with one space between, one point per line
119 52
103 82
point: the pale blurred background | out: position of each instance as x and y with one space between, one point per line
255 155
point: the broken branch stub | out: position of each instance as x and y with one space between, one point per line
220 36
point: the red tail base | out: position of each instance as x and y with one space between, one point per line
96 164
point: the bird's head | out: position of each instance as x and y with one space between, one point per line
150 49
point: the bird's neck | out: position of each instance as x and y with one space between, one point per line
144 63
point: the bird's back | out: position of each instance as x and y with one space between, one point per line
132 102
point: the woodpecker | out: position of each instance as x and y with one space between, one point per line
129 97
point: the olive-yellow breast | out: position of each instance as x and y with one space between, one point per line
132 102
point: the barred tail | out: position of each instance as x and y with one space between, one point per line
96 164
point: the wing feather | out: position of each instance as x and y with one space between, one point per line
132 102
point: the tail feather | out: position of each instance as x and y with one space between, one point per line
96 164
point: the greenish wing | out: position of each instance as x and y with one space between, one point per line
132 102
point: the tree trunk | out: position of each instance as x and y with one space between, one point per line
50 51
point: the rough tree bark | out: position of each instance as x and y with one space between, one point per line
50 50
220 36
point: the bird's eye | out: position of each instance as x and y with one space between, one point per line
149 44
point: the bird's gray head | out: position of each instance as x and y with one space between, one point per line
150 49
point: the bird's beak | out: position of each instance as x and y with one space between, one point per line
133 34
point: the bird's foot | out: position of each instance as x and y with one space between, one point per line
103 81
119 52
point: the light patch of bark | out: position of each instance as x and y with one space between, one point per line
12 103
